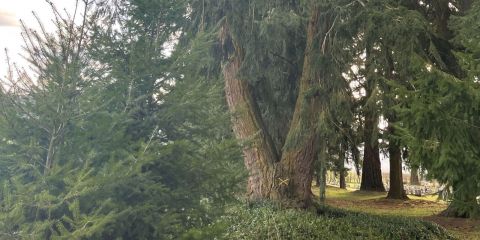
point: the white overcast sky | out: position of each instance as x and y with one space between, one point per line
11 11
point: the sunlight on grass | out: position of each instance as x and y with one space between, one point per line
426 207
376 203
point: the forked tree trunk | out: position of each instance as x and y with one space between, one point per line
288 178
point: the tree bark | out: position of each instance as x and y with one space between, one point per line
371 170
50 154
301 146
396 176
414 180
286 179
322 187
258 151
343 183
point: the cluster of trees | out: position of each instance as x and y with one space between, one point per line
121 126
309 81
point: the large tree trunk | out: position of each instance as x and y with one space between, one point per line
287 179
414 179
259 153
302 143
396 176
371 170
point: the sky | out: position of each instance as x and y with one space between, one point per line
11 11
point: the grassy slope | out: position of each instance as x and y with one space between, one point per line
419 207
270 222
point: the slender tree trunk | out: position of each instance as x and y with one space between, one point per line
414 180
322 158
343 184
50 154
396 176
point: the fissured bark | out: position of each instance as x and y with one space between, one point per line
286 176
396 190
371 170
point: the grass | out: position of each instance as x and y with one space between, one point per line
267 221
425 208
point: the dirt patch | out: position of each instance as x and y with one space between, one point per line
388 203
423 209
457 224
426 209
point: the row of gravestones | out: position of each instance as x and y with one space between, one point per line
410 190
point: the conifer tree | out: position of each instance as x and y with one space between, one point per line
279 162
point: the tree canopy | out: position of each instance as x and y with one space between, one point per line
145 119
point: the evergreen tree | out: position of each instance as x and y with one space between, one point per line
279 162
116 173
444 83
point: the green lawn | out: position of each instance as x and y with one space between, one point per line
426 208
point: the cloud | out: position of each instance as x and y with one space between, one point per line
8 19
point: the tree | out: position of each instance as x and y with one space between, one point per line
444 83
384 60
414 179
50 103
283 174
132 174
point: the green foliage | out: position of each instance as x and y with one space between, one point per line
269 222
145 153
440 114
447 146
